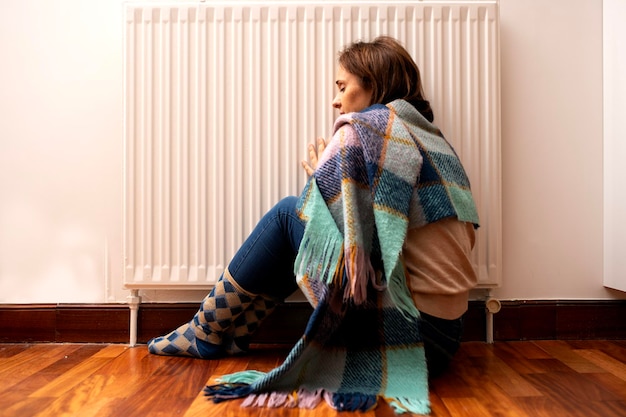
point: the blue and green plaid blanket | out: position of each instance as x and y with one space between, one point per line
386 169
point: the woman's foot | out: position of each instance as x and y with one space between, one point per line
184 342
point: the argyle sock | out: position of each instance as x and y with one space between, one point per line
237 339
202 336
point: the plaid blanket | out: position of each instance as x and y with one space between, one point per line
385 170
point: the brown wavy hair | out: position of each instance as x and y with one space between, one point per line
386 68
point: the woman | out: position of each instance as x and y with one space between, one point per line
433 223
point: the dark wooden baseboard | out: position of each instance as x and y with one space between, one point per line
109 323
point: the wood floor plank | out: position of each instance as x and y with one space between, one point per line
549 407
563 351
11 381
466 407
194 372
609 382
614 349
511 382
614 408
120 386
515 359
72 358
8 351
506 379
156 394
604 361
31 355
111 351
529 350
47 364
451 384
620 343
594 409
266 360
136 361
437 406
202 406
574 386
26 407
477 349
85 397
484 388
69 379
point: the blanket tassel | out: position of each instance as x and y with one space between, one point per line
269 399
300 399
351 402
224 392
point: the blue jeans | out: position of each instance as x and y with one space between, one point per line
264 265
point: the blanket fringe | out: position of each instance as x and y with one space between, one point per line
235 385
271 400
321 257
311 399
277 399
255 400
351 402
300 398
320 262
243 377
399 292
224 392
360 272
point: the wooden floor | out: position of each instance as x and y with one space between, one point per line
540 378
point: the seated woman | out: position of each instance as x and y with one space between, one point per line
387 208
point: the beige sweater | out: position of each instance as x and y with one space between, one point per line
439 271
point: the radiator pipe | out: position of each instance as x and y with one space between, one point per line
133 303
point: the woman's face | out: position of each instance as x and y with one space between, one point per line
351 96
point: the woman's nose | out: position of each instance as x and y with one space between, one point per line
336 102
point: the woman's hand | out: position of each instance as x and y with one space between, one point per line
314 154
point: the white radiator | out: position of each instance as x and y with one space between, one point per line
222 98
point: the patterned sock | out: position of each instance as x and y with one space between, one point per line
237 339
202 336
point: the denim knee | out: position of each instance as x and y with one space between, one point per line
264 262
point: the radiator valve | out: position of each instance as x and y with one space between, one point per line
493 305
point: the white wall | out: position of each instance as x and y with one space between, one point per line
552 149
614 83
61 151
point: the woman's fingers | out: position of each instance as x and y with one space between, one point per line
321 145
312 156
307 168
314 153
